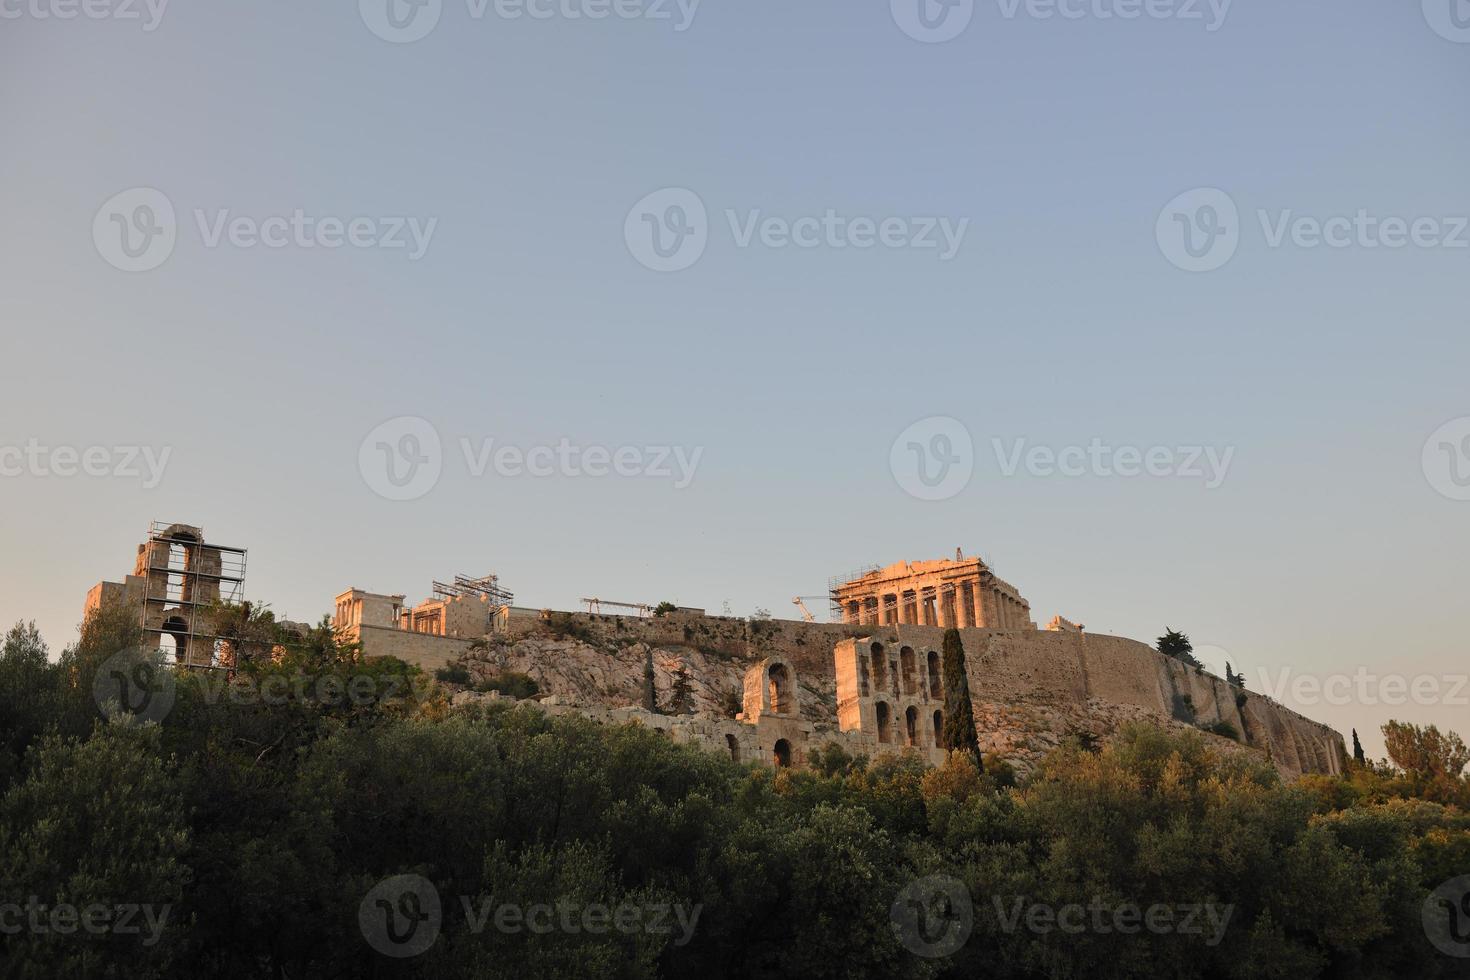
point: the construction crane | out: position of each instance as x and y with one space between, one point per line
800 603
594 606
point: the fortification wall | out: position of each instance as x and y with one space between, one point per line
742 742
420 649
1031 688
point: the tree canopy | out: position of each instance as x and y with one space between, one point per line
264 820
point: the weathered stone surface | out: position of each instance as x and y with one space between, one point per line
1031 689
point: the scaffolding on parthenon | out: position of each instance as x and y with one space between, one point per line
834 585
486 587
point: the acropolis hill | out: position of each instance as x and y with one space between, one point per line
767 690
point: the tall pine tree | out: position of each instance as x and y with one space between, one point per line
681 695
650 693
959 714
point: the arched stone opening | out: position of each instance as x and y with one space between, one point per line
174 640
936 678
782 700
939 729
879 667
733 744
911 725
906 669
782 753
885 722
180 559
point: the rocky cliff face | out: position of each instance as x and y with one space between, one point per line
588 673
1031 689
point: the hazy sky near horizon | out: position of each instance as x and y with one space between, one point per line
993 235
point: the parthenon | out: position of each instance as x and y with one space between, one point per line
960 592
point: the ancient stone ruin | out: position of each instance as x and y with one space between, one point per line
764 690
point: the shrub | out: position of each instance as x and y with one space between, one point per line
453 674
1223 728
565 626
510 684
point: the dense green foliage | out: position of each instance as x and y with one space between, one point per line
1177 645
512 684
262 824
1231 677
454 674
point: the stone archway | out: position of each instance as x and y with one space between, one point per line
885 722
908 671
878 667
174 640
783 700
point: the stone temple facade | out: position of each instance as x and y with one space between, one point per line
962 592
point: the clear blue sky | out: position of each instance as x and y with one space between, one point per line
528 320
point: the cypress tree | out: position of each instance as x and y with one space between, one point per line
650 694
1358 756
959 713
681 696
